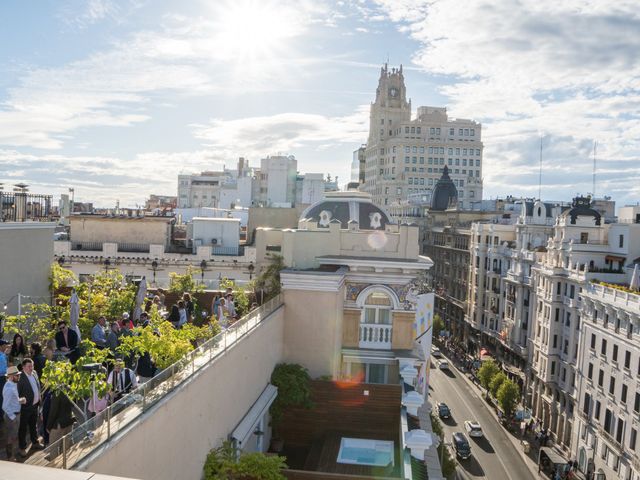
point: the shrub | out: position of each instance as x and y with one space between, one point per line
294 389
221 464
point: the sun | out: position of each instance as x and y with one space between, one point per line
254 31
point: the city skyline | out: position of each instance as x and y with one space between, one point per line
116 98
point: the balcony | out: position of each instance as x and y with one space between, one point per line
374 335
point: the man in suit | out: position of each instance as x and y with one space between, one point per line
29 388
60 419
67 342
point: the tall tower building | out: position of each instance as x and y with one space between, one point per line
405 157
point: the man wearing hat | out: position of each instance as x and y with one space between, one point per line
11 406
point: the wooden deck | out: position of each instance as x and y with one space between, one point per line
341 410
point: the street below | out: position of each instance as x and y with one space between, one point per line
493 456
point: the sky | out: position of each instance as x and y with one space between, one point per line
115 98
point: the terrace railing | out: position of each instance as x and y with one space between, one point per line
85 438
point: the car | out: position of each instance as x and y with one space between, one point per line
473 428
443 410
436 353
461 445
443 365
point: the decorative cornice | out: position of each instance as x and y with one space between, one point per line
312 281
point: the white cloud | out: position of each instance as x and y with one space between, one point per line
566 70
283 132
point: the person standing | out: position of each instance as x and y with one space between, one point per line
231 307
29 388
67 342
184 316
39 360
60 418
188 305
4 363
98 335
122 380
11 407
18 350
113 339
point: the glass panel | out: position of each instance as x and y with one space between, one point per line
384 316
376 373
378 298
369 315
357 372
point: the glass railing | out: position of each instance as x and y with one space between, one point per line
86 437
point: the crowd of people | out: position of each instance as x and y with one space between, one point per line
34 416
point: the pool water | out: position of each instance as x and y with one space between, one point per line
359 451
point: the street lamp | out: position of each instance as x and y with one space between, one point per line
154 267
203 266
251 268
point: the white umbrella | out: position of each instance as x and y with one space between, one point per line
74 312
140 296
635 279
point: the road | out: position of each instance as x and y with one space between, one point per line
493 457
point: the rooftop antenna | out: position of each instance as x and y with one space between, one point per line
540 173
595 147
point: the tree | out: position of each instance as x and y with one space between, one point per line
164 343
293 382
38 323
268 281
221 464
496 381
486 373
508 396
448 466
60 277
438 326
184 283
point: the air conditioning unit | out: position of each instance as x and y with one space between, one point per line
214 241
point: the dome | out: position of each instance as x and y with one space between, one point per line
346 207
581 207
445 193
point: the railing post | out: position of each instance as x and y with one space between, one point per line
144 395
64 451
193 364
108 423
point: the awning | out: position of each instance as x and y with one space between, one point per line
247 425
555 458
614 258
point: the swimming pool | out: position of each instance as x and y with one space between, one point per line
360 451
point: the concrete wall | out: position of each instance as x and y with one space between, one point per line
26 253
172 440
311 316
145 230
226 231
272 218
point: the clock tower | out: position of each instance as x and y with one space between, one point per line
390 107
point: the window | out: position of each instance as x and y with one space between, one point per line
406 129
452 131
421 149
407 149
406 159
627 359
612 385
615 353
603 348
473 132
377 309
586 404
621 241
478 152
418 129
632 439
460 131
636 403
597 410
623 395
457 151
601 378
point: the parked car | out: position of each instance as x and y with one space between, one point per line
473 428
436 353
461 445
443 365
443 410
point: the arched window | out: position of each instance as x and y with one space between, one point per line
377 309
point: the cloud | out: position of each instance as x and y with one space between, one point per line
567 70
118 86
283 132
102 179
